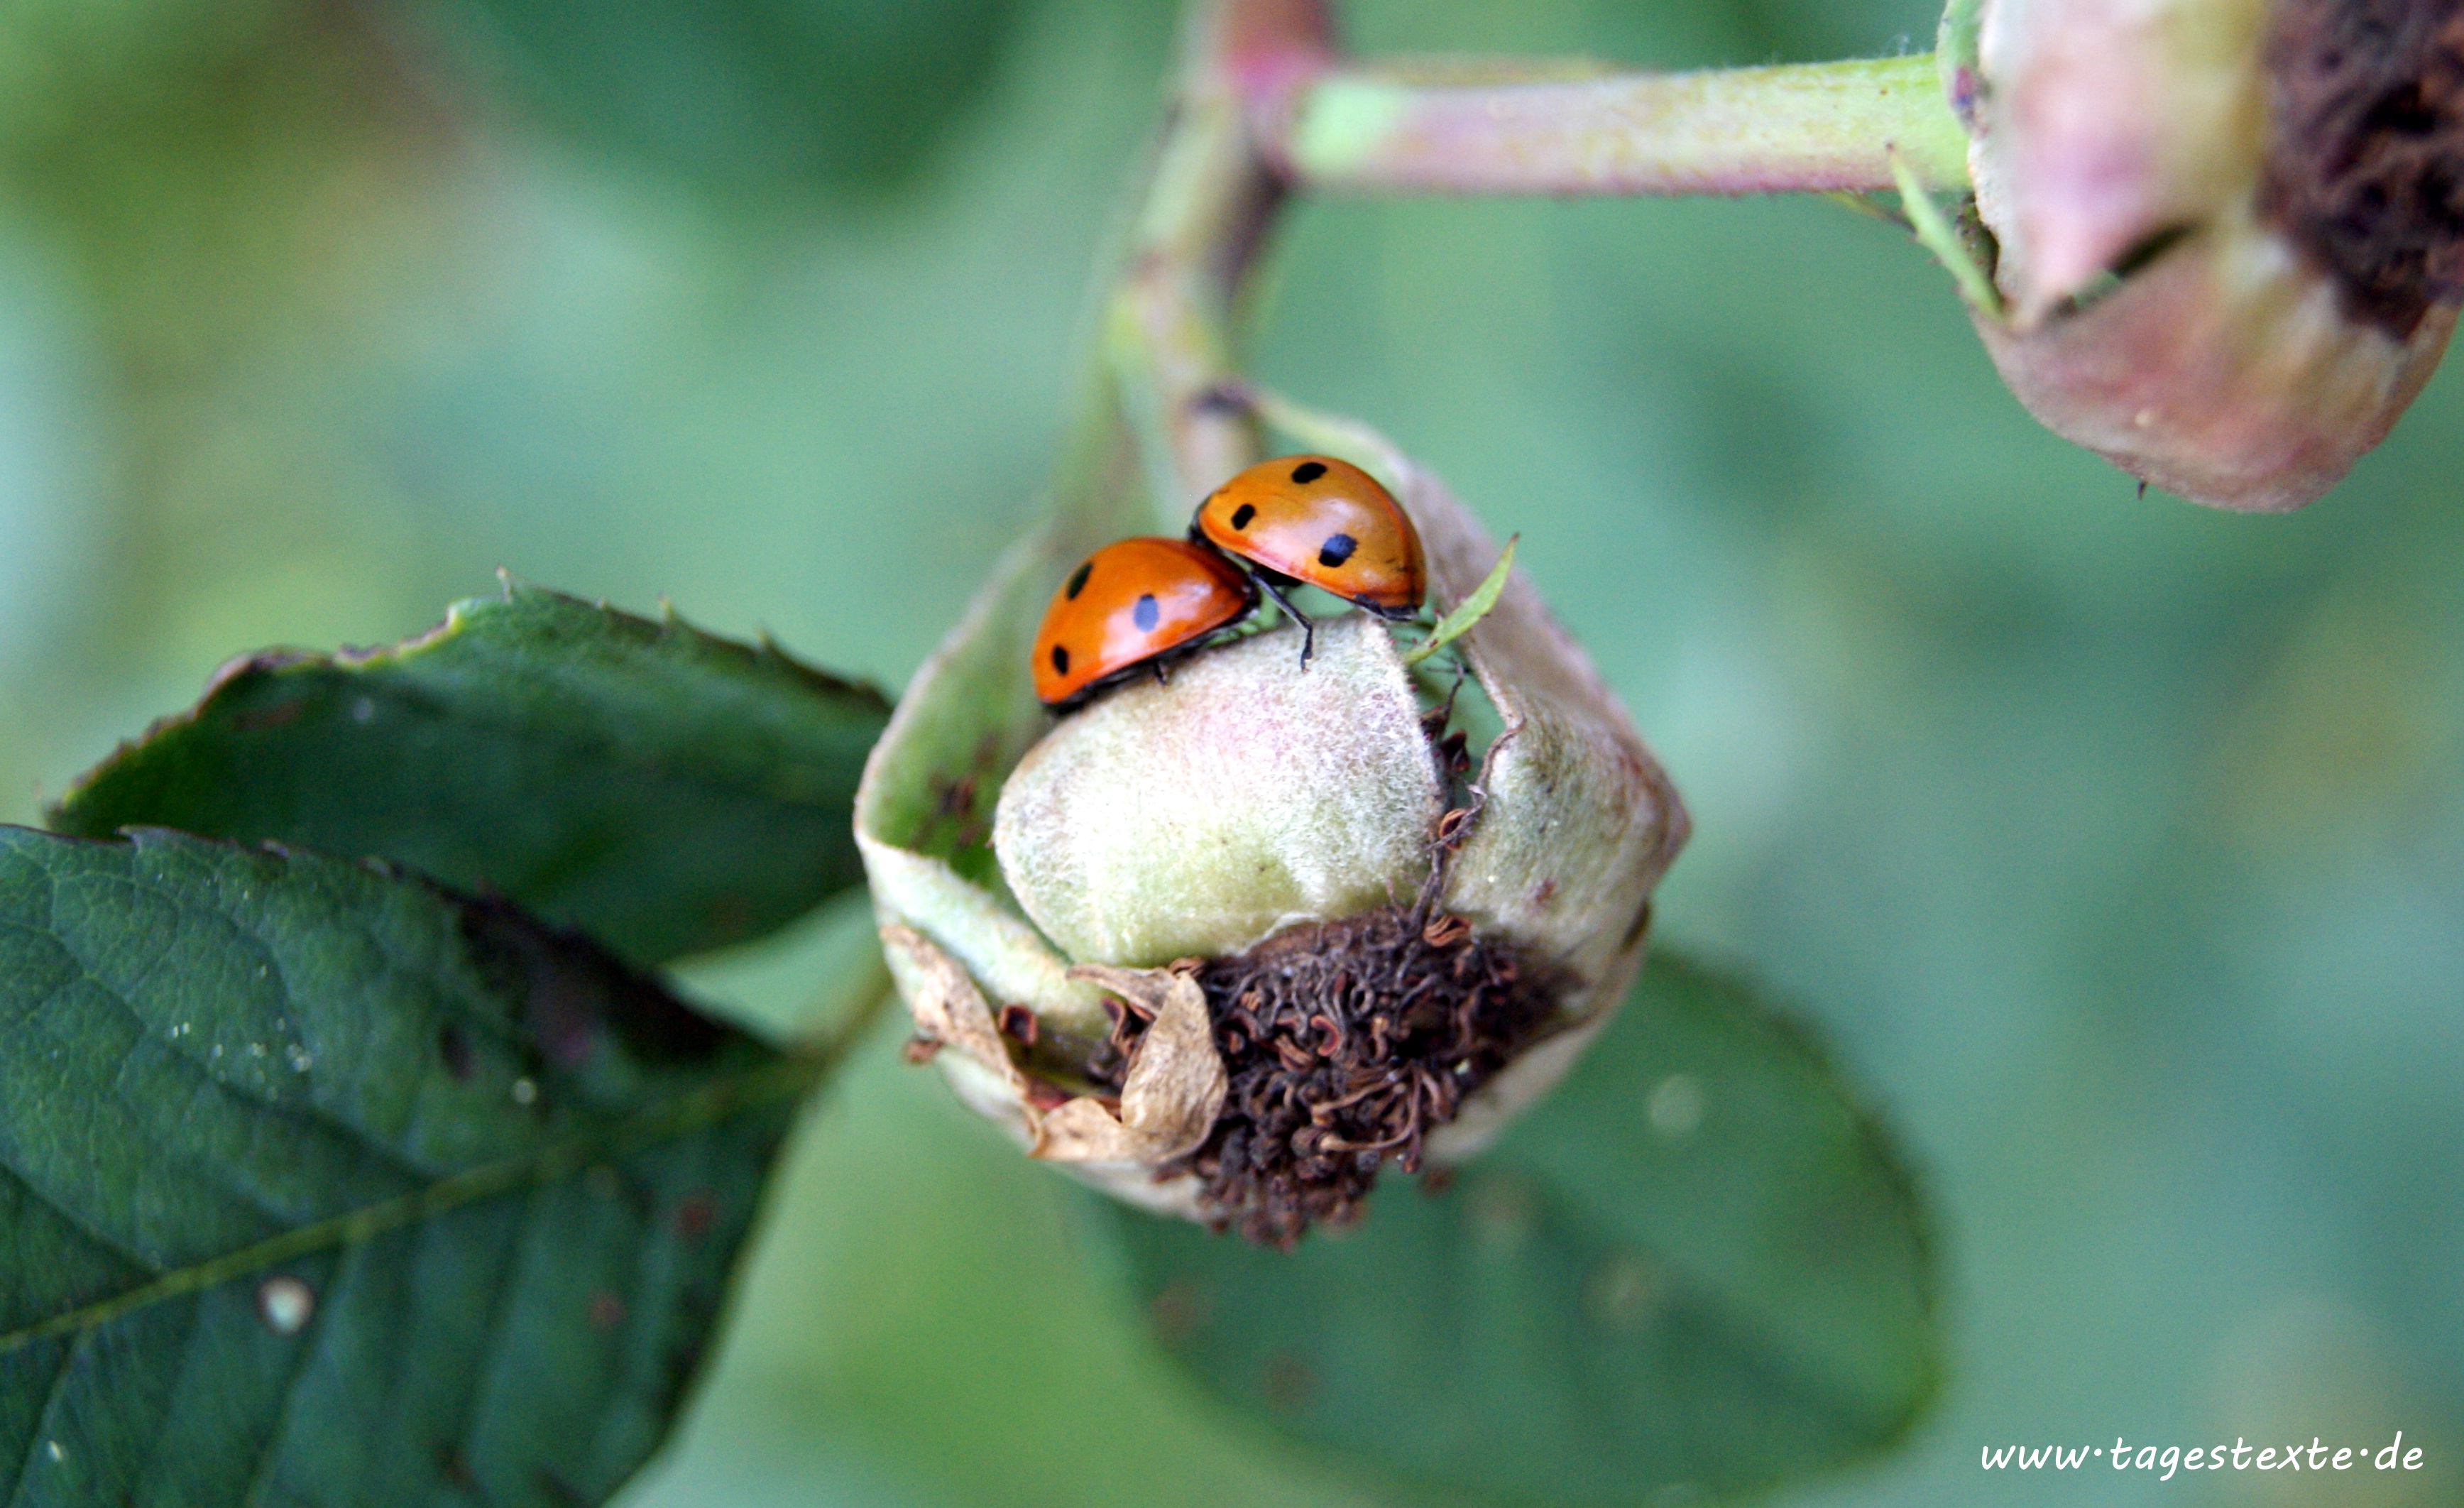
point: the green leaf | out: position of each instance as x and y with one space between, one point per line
320 1186
1938 235
1467 614
663 790
1695 1265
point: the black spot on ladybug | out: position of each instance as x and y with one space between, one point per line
1242 515
1336 549
1145 614
1078 581
1308 472
1059 660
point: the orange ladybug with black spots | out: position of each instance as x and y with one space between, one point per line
1325 522
1131 607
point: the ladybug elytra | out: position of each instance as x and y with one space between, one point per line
1321 521
1129 606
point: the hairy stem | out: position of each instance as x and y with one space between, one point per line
1819 126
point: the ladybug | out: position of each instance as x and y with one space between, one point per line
1131 606
1325 522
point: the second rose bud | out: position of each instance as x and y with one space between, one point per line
2228 236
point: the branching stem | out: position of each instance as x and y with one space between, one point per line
1263 107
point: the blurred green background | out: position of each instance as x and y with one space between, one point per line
2117 845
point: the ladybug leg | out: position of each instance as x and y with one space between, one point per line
1309 626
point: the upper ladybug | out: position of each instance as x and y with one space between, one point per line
1321 521
1129 606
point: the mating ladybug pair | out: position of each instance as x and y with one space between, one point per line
1300 519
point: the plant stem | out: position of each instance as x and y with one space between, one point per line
1817 126
1204 213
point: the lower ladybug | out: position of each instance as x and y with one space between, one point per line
1130 607
1325 522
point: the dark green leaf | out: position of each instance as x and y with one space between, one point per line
320 1186
664 791
1696 1265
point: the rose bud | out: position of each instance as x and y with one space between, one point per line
2224 233
1252 928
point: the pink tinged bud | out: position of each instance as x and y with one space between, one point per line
2105 123
2225 372
2226 232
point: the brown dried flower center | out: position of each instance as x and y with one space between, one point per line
1346 1043
2366 157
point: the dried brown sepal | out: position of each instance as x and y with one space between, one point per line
1171 1095
1346 1043
949 1011
1167 1100
2365 165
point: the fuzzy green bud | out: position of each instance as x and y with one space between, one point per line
1259 927
1196 816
